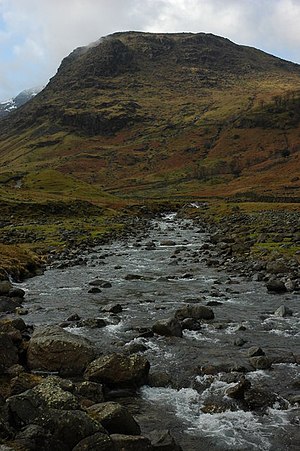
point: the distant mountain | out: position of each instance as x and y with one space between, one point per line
161 115
23 97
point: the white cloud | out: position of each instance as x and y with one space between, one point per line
42 32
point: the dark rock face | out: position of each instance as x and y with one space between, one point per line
276 286
117 370
168 327
131 442
114 418
9 305
98 441
8 352
53 349
195 311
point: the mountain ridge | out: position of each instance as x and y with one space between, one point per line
163 115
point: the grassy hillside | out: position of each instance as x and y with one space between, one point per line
141 117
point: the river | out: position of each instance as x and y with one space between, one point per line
194 406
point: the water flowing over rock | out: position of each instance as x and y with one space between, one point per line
53 349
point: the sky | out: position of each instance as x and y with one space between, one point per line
35 35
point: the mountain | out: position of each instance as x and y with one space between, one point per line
144 115
23 97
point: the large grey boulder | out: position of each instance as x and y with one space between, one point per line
117 370
194 311
9 305
51 348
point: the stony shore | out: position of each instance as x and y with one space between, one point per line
51 399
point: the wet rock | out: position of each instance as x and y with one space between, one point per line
114 418
94 290
92 323
238 391
90 390
240 342
98 441
113 308
5 287
169 327
70 427
259 399
131 443
100 283
74 317
197 312
118 370
53 349
260 362
23 382
159 379
133 277
167 243
255 351
276 286
9 305
8 352
290 285
163 441
283 311
15 292
135 347
190 324
34 437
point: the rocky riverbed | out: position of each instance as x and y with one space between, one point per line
159 341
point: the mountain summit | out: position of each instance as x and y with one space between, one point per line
163 115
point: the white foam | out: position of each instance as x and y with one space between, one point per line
194 335
236 430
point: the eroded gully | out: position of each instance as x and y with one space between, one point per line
193 404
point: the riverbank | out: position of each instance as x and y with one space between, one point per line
220 354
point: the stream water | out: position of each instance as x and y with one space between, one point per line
196 409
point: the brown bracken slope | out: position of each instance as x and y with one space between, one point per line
143 115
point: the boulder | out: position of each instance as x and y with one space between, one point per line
34 437
114 418
131 443
9 305
238 390
53 349
260 362
23 382
90 390
190 324
8 352
163 441
257 399
167 243
98 441
116 370
5 286
112 308
169 327
276 286
100 283
194 311
255 351
15 292
283 311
